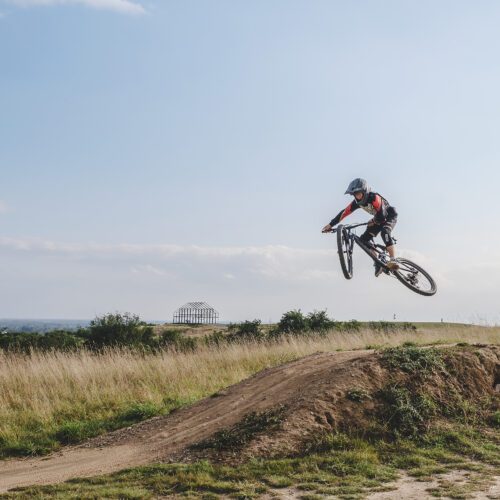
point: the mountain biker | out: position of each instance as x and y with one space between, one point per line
384 220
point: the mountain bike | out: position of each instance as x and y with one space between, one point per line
410 274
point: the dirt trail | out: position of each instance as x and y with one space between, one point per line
163 438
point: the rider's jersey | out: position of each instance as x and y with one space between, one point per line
375 205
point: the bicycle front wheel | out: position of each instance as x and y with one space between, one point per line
345 245
415 278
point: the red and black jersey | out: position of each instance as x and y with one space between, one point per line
375 205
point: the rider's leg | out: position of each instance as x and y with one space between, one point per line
389 242
367 239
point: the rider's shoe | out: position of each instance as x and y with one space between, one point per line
393 265
378 269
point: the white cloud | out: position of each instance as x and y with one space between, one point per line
78 279
122 6
274 262
3 206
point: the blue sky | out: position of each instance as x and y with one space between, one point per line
159 152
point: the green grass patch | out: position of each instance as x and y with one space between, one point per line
495 419
358 394
237 436
405 413
337 465
412 359
39 439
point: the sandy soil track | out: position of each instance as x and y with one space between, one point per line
163 438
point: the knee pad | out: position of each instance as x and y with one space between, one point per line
388 239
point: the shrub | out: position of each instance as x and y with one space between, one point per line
319 321
387 326
405 413
119 330
176 340
59 339
170 337
27 342
217 338
248 330
348 326
293 322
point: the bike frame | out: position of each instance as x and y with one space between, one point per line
380 250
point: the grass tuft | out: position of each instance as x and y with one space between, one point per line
237 436
406 413
411 358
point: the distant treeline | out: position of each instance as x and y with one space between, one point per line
41 325
105 331
127 330
295 323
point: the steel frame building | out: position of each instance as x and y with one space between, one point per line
196 313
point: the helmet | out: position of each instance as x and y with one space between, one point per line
359 185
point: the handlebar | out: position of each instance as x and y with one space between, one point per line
351 226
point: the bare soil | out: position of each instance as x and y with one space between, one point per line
409 488
313 390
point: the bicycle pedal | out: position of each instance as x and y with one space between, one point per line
393 266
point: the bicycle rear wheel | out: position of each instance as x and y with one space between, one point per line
345 245
415 278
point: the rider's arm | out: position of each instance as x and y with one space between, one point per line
344 213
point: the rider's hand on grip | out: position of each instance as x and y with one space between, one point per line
327 229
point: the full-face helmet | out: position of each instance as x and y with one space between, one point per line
356 186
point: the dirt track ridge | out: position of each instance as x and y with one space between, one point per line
161 439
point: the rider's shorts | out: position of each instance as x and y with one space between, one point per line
384 229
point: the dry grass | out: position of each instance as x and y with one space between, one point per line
41 392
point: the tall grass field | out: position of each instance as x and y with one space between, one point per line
48 399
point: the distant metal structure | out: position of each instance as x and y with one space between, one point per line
196 313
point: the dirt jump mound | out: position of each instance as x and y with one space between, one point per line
396 393
285 411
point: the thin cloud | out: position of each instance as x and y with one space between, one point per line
268 252
275 262
121 6
4 208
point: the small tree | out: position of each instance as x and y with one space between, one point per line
293 322
319 321
118 330
248 330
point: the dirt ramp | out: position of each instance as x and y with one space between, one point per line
369 395
165 438
276 412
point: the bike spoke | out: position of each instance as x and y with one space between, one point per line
415 277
